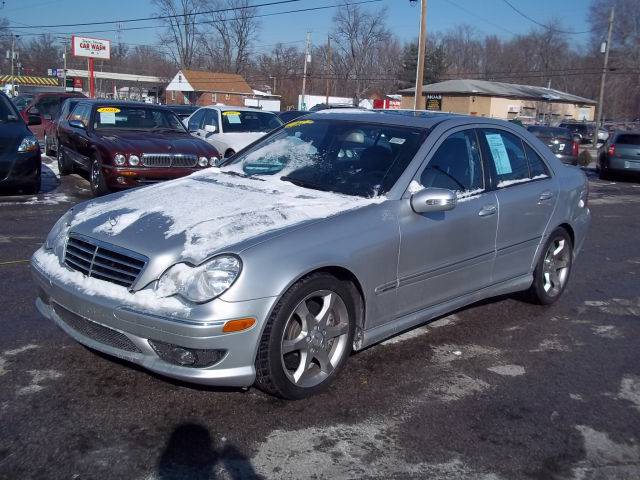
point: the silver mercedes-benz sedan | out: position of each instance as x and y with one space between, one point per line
330 234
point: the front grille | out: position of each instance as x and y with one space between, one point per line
95 331
169 160
105 262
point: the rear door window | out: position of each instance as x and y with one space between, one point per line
195 121
628 139
507 153
537 167
211 118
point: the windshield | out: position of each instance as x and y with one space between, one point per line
237 121
7 111
136 118
345 157
22 101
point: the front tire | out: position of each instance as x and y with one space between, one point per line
65 167
552 272
98 182
47 147
308 337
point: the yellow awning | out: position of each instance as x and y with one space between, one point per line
29 80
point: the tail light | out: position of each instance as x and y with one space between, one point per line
612 150
575 148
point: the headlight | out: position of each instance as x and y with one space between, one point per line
119 159
202 283
203 161
28 144
57 232
213 161
134 160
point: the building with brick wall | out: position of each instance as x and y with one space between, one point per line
192 87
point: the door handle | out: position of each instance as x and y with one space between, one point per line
487 210
548 195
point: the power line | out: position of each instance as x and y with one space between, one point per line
262 15
164 17
521 13
480 18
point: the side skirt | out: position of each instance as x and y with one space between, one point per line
409 321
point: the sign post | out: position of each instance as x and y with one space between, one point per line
90 48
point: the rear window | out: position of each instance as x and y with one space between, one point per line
628 139
243 121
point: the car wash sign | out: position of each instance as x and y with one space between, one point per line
90 47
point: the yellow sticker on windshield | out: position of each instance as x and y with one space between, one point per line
109 110
235 114
297 123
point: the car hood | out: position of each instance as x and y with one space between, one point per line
140 142
11 134
237 141
191 218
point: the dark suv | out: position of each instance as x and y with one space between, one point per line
585 130
128 144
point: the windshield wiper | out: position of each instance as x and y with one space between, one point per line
304 184
241 175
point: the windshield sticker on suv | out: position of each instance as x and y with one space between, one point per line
297 123
108 118
397 141
499 153
108 110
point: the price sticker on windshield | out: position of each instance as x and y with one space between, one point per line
297 123
232 117
108 110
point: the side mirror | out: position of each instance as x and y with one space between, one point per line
76 124
432 200
34 120
210 128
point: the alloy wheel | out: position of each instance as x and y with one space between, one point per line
315 338
555 270
95 175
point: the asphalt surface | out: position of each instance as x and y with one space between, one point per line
499 390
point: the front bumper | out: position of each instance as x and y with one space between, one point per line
124 331
129 177
23 170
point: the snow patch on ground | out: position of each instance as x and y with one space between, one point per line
419 331
617 306
508 370
607 331
143 299
552 344
456 388
576 396
38 377
19 350
447 353
605 458
630 390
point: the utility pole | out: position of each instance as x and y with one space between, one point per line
304 72
422 42
64 69
13 55
328 73
607 48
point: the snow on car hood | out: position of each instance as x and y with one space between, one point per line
209 210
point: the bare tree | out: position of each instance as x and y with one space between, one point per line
359 37
40 53
227 44
181 30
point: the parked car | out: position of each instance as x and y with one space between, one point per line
46 105
128 144
20 161
51 130
560 141
331 106
230 129
584 130
620 155
183 111
289 115
330 234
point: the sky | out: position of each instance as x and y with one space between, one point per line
487 16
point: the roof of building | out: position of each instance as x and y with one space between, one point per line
217 82
500 89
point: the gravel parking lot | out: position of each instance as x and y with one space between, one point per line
499 390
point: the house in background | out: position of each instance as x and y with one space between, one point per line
192 87
502 100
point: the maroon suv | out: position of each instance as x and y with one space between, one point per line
128 144
46 106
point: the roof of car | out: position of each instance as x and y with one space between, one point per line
409 118
231 108
128 103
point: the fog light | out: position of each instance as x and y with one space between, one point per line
187 357
121 180
203 161
183 356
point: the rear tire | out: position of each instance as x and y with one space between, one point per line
98 182
552 272
47 147
65 167
307 338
